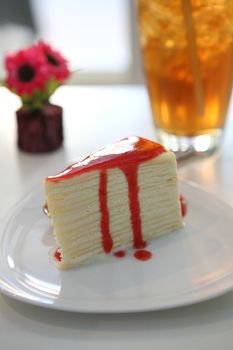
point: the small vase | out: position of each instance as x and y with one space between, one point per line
40 130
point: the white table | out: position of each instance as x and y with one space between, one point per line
94 116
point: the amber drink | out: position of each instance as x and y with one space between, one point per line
187 48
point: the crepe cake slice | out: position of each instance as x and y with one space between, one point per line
123 195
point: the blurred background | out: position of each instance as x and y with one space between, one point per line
98 37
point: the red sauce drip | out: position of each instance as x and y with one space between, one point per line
131 174
183 206
143 255
57 255
120 254
107 242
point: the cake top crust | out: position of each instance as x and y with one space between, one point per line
129 150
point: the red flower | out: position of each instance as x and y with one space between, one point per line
27 71
57 64
35 73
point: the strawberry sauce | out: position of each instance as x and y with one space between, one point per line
119 254
142 254
131 174
57 255
183 206
104 223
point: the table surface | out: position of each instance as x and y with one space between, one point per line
94 116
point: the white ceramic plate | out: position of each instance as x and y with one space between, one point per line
188 266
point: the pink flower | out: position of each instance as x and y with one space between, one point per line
35 73
58 65
27 71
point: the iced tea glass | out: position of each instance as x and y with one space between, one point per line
187 48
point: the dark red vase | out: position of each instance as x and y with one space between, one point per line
40 130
